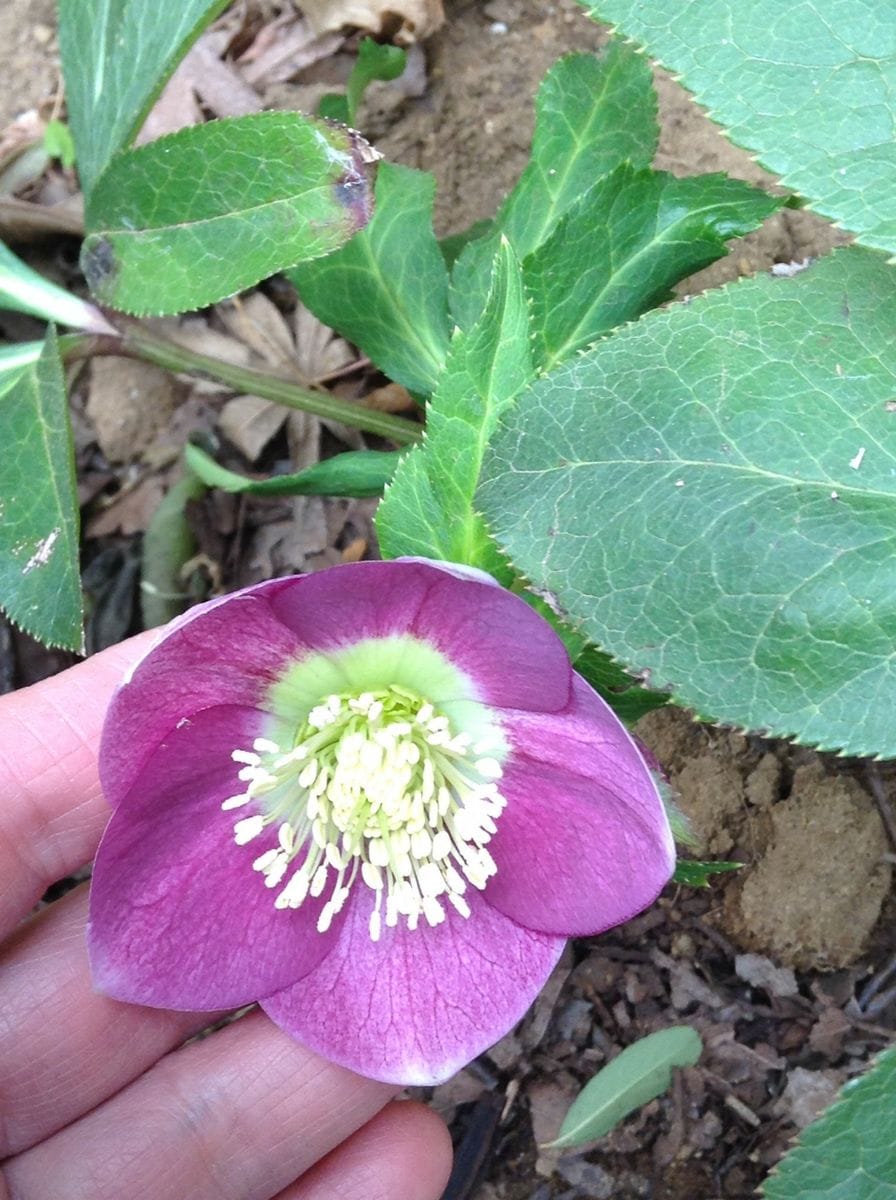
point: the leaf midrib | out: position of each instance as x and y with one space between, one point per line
619 275
551 215
673 464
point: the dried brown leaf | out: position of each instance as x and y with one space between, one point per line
130 511
405 21
202 75
249 423
284 48
258 323
318 350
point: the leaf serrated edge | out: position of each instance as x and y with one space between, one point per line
796 1143
751 152
668 687
645 674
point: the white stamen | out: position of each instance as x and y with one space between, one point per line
276 871
459 903
236 801
489 768
390 794
372 876
247 829
265 746
294 892
264 860
308 774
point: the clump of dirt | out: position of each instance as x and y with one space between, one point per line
129 403
813 844
474 127
817 893
29 56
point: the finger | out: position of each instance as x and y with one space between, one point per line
404 1153
63 1048
51 809
235 1116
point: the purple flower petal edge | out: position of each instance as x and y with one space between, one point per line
414 1009
583 843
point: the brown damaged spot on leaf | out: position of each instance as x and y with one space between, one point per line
354 188
100 266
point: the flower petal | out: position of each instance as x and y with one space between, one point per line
416 1006
511 654
178 917
584 843
224 652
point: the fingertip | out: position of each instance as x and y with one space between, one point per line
403 1153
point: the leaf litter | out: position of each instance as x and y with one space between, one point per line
784 1022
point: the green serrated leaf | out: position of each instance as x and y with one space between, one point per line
592 113
616 686
693 872
387 290
26 291
212 209
355 473
849 1153
809 87
639 1074
428 509
40 588
623 245
116 57
735 459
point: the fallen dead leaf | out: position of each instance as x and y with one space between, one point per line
130 511
405 21
258 322
283 48
807 1095
202 75
760 972
319 351
249 423
549 1103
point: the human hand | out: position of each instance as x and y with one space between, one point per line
100 1100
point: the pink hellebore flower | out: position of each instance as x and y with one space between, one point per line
375 799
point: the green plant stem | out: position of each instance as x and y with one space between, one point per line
136 342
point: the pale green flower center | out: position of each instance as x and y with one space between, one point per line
377 787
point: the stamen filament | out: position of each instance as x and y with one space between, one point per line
376 787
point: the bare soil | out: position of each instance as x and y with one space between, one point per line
784 967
